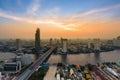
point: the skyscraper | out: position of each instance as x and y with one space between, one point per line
37 40
64 45
18 43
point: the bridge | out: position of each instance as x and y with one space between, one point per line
28 72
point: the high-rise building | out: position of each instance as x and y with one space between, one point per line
25 60
57 42
51 41
0 76
97 44
116 42
37 40
18 43
64 45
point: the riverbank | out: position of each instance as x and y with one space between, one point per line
104 71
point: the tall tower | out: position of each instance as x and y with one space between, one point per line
37 40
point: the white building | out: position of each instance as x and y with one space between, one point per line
90 45
64 45
25 60
58 76
0 75
97 44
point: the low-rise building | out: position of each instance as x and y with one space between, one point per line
12 67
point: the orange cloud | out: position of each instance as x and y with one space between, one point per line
103 28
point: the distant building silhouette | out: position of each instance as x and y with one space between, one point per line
51 41
116 42
37 40
18 43
118 38
97 44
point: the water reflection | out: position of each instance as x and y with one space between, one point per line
64 58
87 58
97 57
92 58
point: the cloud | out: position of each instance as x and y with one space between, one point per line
94 11
66 23
38 21
53 10
5 15
33 7
52 13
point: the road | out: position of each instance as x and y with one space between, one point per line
28 72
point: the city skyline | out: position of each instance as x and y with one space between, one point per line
69 19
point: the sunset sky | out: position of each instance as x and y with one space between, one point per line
60 18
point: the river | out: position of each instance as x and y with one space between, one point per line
81 59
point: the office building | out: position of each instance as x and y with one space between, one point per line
0 76
18 43
12 67
51 41
116 42
37 40
64 45
110 42
26 60
57 44
91 45
97 44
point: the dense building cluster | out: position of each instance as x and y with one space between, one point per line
103 71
